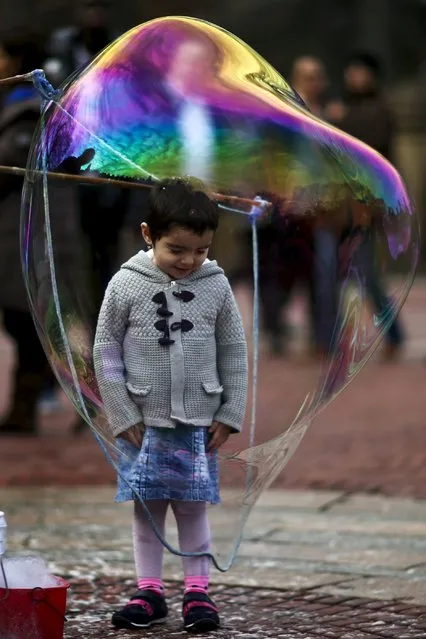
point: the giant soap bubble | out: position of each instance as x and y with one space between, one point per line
300 201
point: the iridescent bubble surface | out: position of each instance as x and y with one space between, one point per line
181 97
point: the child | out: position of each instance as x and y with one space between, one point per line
171 364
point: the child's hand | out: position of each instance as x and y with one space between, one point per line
134 435
219 435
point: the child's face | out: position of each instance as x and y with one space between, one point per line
180 252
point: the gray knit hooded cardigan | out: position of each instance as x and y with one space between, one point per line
169 352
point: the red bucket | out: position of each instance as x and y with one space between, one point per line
33 613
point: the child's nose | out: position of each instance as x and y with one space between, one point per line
188 260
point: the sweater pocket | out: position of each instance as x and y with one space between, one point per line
141 391
212 388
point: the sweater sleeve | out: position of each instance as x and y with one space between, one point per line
231 363
121 410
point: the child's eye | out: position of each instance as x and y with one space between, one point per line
175 251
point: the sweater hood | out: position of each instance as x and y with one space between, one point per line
142 263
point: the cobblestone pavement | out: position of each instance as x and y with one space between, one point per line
372 438
252 612
313 565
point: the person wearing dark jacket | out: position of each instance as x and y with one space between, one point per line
363 112
20 110
19 114
72 47
365 115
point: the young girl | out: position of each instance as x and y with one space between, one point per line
171 364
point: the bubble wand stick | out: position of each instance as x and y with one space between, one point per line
88 179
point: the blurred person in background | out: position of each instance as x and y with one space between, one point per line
290 251
71 48
364 114
20 111
19 114
363 111
102 209
285 257
309 80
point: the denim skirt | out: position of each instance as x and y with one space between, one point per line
172 464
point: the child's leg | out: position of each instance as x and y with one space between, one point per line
194 536
148 606
199 612
148 549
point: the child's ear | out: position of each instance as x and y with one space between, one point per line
146 234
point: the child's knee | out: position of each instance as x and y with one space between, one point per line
188 508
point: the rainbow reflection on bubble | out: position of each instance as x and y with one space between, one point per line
125 107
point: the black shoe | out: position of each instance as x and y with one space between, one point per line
144 609
199 613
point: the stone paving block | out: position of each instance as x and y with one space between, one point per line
297 499
58 494
362 559
95 514
379 506
345 540
381 588
344 571
263 577
20 515
418 571
347 524
90 538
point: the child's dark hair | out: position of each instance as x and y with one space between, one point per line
175 202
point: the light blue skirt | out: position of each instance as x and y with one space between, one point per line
172 464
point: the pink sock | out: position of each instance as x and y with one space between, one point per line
151 584
196 584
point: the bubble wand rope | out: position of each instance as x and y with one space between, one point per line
255 213
48 94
